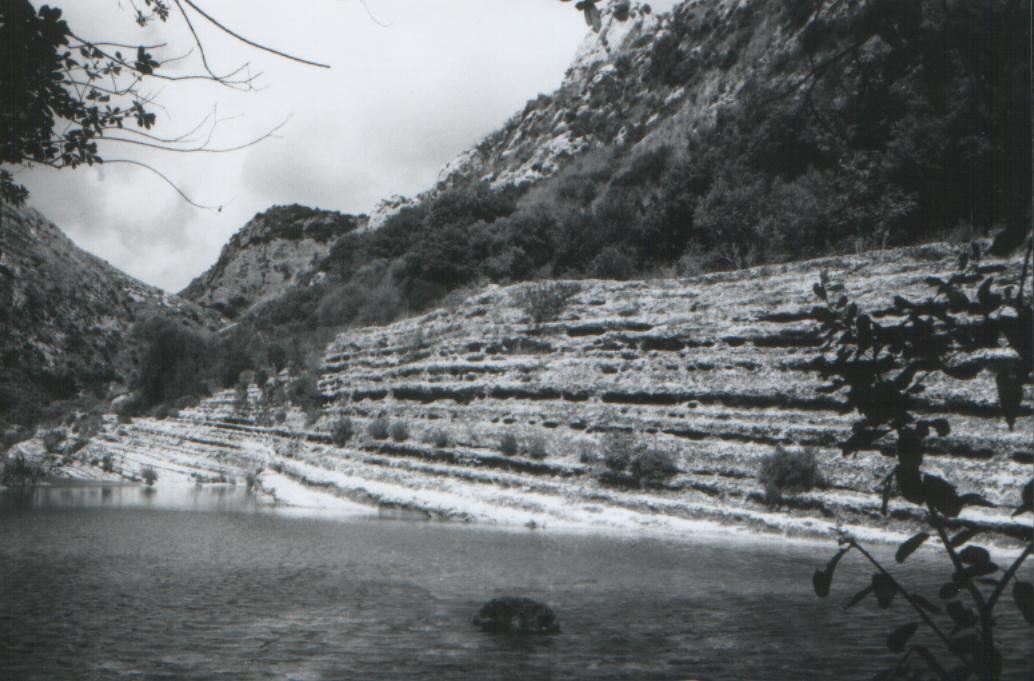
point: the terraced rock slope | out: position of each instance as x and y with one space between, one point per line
715 370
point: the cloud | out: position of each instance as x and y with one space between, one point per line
400 101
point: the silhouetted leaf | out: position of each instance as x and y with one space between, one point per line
975 555
1023 595
899 638
962 537
823 579
910 483
942 427
909 546
973 499
863 328
941 495
857 598
948 591
963 372
1010 394
884 588
1027 499
984 293
1017 330
957 301
968 574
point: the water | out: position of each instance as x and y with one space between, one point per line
115 583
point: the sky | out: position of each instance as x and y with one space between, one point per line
412 84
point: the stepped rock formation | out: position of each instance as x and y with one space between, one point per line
66 314
716 370
275 250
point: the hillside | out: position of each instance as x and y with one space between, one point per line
723 135
268 255
66 317
715 371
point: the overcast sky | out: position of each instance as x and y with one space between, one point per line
412 84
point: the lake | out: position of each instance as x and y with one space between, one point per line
118 583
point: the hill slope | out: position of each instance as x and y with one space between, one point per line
715 371
268 255
66 316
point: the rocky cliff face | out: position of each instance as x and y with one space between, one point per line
643 79
507 415
66 315
271 253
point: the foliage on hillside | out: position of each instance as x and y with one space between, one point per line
889 124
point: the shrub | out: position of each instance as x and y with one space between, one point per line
399 431
108 464
653 466
252 481
173 362
618 452
21 473
789 472
304 392
508 444
536 447
52 438
149 475
612 263
378 428
342 431
546 301
440 439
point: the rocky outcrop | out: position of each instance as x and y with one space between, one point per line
514 615
714 371
277 249
66 315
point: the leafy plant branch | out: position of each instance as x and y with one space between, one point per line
880 368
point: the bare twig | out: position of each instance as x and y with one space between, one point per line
246 41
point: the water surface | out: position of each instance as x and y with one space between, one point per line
115 583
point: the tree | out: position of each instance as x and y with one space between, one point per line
63 95
881 367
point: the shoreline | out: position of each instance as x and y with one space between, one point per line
295 501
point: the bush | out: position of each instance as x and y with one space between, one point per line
21 473
342 431
173 362
546 301
252 481
508 444
653 466
149 475
108 464
399 431
440 439
536 447
618 452
378 428
789 472
304 391
628 462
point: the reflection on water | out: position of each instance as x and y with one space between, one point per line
116 582
116 495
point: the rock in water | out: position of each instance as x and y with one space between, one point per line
517 616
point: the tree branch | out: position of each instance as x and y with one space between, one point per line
246 41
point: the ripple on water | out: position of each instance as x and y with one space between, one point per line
99 590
